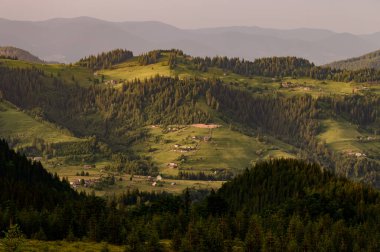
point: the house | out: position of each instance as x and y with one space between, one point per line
358 154
159 178
154 184
189 148
173 165
111 82
206 138
37 159
286 84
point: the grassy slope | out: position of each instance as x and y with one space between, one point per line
227 149
131 70
65 246
81 75
17 124
343 136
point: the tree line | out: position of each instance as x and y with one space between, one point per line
151 57
105 60
279 67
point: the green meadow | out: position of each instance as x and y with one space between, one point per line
227 149
17 124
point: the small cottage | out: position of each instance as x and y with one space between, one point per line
173 165
206 138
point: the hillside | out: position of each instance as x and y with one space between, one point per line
17 53
370 60
53 40
135 116
276 205
24 129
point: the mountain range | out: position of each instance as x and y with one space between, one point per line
69 39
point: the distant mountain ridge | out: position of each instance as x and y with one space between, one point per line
13 52
69 39
370 60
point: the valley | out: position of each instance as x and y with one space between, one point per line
177 152
189 126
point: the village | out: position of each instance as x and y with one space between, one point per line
291 85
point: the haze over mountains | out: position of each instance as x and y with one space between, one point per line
67 40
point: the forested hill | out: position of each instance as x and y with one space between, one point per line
27 184
277 205
278 67
17 53
293 186
290 205
117 116
370 60
106 59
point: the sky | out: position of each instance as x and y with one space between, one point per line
354 16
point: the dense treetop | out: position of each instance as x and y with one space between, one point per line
106 59
370 60
275 206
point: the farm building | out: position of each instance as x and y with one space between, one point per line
173 165
206 138
286 84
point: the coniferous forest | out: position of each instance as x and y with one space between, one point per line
116 116
276 205
321 201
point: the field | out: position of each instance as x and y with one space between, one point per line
64 246
340 135
227 149
186 148
131 70
85 246
17 124
344 137
123 182
69 73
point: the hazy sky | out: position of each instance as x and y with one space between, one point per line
356 16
